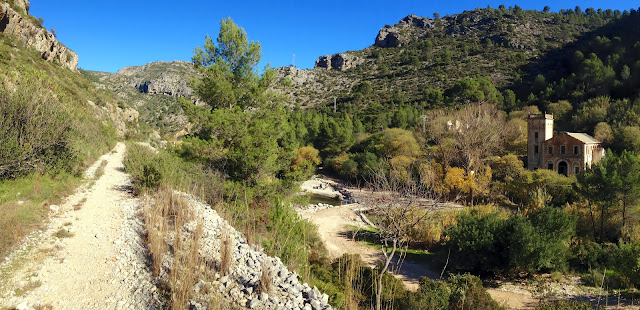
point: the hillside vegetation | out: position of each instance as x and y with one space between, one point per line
155 91
509 47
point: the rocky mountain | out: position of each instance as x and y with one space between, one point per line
154 90
407 61
16 21
33 53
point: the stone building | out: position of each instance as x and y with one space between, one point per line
565 152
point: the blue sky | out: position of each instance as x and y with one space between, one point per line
109 35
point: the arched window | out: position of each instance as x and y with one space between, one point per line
576 167
563 168
576 149
563 149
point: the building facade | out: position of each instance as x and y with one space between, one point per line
565 152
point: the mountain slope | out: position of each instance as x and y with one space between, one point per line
154 90
419 59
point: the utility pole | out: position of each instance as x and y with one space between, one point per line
424 123
334 104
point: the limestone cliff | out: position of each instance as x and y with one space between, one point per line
340 61
15 21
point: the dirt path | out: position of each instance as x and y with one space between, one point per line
98 264
333 226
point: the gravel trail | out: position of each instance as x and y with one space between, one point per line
90 256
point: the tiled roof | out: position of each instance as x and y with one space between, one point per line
585 138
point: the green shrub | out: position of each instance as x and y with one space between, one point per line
479 241
33 130
459 292
491 243
619 260
150 178
431 295
565 305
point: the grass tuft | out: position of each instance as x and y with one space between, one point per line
170 220
226 252
63 233
266 278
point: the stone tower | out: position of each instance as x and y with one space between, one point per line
539 130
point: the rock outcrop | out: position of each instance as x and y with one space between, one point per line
26 29
340 61
168 78
389 36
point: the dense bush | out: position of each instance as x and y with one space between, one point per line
621 262
34 130
459 292
150 170
565 305
497 243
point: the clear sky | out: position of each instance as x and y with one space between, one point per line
111 34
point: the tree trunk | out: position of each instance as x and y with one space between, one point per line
388 259
624 213
593 221
602 207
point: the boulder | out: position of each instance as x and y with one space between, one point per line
387 38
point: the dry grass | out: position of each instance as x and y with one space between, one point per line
79 205
170 221
350 274
226 252
266 278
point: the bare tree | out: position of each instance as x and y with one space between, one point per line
472 133
402 204
479 135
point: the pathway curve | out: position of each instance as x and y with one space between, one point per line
99 264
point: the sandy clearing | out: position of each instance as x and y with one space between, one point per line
321 186
333 226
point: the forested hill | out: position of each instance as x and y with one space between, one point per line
444 61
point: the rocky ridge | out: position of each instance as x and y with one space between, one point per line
414 27
420 53
23 27
168 78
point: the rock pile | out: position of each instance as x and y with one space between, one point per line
241 285
21 27
313 208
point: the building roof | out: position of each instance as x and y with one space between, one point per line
545 116
583 137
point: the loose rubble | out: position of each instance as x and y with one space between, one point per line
240 286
